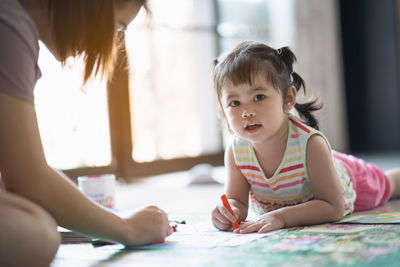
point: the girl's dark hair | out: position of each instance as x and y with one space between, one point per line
87 27
251 59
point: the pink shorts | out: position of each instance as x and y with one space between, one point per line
370 183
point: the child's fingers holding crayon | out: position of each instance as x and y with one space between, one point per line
219 220
232 217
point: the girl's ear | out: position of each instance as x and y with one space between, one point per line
290 98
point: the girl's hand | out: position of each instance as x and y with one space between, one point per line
147 226
264 223
222 218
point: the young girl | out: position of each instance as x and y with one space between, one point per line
281 160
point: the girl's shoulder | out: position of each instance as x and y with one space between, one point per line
298 126
241 148
237 141
299 132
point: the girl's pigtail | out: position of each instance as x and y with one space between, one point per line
217 84
287 57
215 62
298 82
305 110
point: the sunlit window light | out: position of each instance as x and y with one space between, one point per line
73 121
173 105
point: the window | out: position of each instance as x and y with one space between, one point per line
169 119
173 107
73 121
269 21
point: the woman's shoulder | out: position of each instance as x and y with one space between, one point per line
19 51
15 20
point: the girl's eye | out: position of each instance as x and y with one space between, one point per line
234 103
259 98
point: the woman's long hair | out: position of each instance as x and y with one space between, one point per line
87 28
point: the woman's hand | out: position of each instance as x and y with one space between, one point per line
147 226
264 223
222 218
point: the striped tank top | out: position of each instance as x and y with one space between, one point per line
290 184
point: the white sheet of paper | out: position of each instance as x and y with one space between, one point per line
204 236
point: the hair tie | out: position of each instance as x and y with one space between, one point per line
279 51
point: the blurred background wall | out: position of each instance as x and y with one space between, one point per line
348 55
370 35
319 52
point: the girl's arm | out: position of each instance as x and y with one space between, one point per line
25 172
236 186
237 192
328 204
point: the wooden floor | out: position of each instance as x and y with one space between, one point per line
175 194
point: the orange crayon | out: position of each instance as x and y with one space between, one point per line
228 206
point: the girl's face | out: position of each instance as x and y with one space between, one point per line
254 112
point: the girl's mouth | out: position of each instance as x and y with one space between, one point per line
252 128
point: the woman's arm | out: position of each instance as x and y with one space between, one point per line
328 203
25 172
237 191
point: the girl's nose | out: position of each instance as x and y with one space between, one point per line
248 114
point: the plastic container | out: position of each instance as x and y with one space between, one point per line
100 188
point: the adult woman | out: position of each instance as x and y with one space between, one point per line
35 198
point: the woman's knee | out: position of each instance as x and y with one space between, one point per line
28 234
